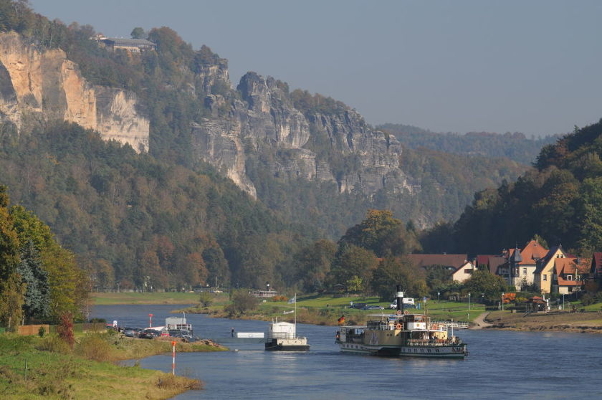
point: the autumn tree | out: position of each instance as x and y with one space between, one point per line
491 286
312 264
382 234
352 263
393 271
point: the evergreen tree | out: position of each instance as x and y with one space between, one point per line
37 294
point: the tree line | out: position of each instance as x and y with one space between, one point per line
40 281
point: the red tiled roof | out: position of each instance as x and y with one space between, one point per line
532 251
447 260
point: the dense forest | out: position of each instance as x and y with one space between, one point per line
559 200
166 221
514 146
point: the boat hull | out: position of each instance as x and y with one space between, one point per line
446 351
287 345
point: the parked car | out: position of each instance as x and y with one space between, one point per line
130 332
408 302
372 307
149 334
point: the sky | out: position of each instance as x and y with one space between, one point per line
530 66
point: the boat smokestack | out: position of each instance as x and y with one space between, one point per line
399 299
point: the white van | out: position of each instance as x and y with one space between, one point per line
407 302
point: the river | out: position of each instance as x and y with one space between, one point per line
501 364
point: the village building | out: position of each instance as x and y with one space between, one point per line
519 271
569 275
544 273
131 45
463 273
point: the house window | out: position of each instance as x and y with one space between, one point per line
545 277
524 271
569 277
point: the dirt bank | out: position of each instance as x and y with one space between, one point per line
589 322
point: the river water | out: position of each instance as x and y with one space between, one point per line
501 364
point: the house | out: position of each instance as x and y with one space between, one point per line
464 272
490 263
131 45
569 275
519 271
545 270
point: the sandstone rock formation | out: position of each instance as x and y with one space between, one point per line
43 85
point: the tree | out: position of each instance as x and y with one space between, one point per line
205 298
138 33
12 297
491 286
312 264
35 278
393 271
353 263
9 240
242 302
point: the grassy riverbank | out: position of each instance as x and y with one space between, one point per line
109 299
32 367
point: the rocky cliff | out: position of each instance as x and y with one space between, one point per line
261 118
43 85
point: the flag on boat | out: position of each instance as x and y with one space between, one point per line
293 300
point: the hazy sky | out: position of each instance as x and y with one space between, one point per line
531 66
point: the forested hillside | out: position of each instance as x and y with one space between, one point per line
238 183
514 146
559 200
137 222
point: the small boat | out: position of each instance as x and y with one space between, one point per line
282 336
401 335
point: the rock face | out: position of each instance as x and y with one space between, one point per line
263 120
37 86
258 118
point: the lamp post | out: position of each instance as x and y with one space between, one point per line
468 302
563 302
438 297
502 303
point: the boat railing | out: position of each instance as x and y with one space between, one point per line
451 324
434 342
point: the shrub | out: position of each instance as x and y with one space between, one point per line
94 347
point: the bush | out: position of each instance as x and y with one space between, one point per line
54 344
94 347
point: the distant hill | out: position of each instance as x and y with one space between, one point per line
514 146
158 171
559 200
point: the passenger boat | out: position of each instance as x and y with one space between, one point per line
401 335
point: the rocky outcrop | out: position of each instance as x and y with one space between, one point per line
264 120
43 85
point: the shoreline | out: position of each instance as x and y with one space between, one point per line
575 322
